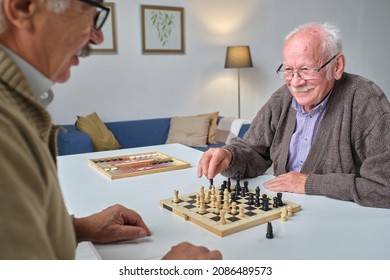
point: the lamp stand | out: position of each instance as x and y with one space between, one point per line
239 105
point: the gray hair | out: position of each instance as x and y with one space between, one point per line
56 6
331 43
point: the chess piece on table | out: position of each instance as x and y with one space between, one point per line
222 218
283 214
280 201
270 233
234 208
289 211
176 196
202 207
242 210
207 197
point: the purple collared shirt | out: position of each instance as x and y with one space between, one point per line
304 133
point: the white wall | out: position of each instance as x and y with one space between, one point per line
131 85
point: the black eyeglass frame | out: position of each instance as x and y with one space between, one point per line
317 70
105 11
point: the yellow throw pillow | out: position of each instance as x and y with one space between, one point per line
103 139
190 131
213 127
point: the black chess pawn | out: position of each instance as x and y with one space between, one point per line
243 192
232 197
257 201
250 200
275 205
270 233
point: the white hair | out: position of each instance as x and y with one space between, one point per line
331 43
57 6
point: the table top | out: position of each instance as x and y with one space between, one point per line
325 229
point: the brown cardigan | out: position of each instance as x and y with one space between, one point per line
34 220
350 156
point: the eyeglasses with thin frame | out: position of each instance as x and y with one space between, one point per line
304 73
102 13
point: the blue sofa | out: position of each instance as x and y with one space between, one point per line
130 134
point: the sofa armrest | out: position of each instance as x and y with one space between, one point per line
244 129
71 140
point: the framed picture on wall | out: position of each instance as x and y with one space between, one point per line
109 33
162 29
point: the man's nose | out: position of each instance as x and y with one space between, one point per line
96 36
296 80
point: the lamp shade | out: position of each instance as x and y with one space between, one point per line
238 57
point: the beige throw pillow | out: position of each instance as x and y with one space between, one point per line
103 139
213 127
190 131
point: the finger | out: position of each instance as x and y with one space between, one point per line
204 163
130 233
134 219
215 255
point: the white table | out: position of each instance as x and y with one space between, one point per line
324 229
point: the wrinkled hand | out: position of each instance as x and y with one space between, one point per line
293 182
213 161
115 223
187 251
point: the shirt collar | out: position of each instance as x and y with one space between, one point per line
39 84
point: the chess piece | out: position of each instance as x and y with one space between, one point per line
265 203
222 218
275 205
211 183
283 214
234 208
207 197
242 209
289 211
270 233
202 207
176 196
246 188
280 202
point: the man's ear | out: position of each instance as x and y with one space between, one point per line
339 67
19 13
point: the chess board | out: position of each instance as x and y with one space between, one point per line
136 164
188 209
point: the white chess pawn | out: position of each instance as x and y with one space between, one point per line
242 209
234 208
289 211
283 215
222 217
176 196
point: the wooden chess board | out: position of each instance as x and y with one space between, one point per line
188 209
136 164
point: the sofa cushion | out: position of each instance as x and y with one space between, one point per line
189 130
228 128
213 127
102 137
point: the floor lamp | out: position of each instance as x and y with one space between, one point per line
238 57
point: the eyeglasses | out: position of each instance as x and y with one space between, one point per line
304 73
101 13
